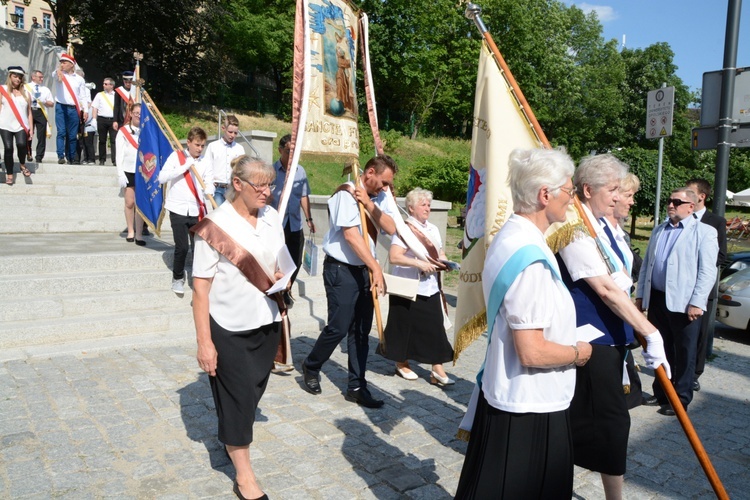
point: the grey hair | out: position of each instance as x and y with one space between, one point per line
416 195
532 169
692 195
599 170
249 170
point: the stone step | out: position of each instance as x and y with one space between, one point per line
52 168
35 194
40 285
81 179
67 205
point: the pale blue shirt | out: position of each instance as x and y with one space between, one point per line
300 189
344 212
666 242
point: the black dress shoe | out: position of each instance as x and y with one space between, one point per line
312 384
652 401
140 243
666 410
696 386
363 397
236 490
130 240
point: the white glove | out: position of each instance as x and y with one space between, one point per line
122 179
654 354
210 189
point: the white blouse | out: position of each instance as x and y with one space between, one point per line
234 302
8 119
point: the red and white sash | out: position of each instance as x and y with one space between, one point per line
129 137
72 94
13 108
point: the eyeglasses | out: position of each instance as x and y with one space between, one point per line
571 190
677 202
259 188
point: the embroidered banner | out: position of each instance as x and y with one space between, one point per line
499 127
153 150
331 124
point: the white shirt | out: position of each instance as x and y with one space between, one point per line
44 96
180 199
233 301
428 283
220 155
104 103
8 119
535 300
78 85
344 212
126 153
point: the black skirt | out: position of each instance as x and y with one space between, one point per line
599 413
244 364
517 455
415 331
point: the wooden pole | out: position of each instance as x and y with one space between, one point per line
176 145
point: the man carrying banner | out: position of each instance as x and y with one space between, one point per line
124 97
185 199
70 93
346 278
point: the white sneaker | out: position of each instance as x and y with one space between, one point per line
178 286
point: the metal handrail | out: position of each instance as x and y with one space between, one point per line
248 141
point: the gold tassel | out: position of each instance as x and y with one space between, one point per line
463 435
472 330
565 234
626 389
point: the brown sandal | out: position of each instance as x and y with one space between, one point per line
9 179
26 171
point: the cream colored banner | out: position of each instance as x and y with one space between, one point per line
331 125
499 127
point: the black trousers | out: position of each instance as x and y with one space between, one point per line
105 127
10 138
86 148
183 241
295 243
350 313
40 132
706 337
680 343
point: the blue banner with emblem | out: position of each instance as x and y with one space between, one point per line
153 150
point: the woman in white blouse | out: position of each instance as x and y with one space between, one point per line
13 130
520 443
237 325
415 328
127 153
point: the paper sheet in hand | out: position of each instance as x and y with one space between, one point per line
587 333
286 266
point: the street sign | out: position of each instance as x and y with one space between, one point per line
708 137
711 97
659 111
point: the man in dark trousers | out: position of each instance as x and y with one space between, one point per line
702 188
124 97
346 268
678 273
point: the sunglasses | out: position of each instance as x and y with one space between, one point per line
677 202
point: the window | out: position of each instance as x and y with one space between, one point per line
47 21
19 13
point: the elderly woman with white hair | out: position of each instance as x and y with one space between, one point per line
520 442
415 328
599 414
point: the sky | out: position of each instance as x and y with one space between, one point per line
694 29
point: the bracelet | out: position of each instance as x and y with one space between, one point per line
575 348
308 220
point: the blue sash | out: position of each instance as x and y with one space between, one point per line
520 260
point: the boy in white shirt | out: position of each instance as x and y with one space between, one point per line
185 199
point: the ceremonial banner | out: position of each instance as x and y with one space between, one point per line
331 124
499 127
153 150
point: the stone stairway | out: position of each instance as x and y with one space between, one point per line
71 281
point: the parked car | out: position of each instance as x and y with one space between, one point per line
735 262
733 305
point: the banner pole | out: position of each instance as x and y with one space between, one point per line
176 145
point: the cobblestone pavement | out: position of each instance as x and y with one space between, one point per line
139 423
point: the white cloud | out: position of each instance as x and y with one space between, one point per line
603 12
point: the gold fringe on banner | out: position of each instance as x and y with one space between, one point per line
472 330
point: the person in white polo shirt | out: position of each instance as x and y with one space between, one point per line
220 155
70 95
103 109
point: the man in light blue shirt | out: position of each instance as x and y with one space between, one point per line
299 204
